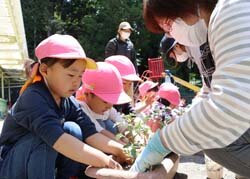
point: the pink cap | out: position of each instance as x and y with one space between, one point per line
106 83
63 47
146 86
170 92
124 66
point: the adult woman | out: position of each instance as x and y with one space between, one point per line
218 125
121 44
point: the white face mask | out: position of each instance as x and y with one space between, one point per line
124 35
181 58
189 35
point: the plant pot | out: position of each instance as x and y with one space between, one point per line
166 170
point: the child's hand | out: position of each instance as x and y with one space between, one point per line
111 163
124 158
154 124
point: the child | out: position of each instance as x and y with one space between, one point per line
45 127
165 108
147 91
102 88
128 74
169 95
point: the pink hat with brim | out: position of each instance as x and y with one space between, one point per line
62 47
146 86
170 92
124 66
132 78
106 83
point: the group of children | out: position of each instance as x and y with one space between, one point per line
48 128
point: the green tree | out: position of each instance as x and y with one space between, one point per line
92 22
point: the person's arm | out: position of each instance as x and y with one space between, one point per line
40 118
145 103
133 58
107 145
116 117
139 107
78 151
223 117
110 48
90 135
111 136
152 154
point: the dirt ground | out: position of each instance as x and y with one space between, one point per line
193 167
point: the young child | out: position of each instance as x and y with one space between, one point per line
165 108
147 92
45 127
101 89
129 76
169 95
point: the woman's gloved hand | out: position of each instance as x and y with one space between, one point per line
152 154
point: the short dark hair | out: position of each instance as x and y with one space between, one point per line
164 102
154 89
171 9
51 61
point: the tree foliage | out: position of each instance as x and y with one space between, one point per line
93 23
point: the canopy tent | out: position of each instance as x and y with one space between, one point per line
13 47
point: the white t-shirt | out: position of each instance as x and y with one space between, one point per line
111 114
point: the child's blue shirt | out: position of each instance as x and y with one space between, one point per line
37 112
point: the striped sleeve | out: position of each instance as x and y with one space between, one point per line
224 116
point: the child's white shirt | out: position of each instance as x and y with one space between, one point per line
92 115
111 114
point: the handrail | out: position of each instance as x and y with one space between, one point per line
186 84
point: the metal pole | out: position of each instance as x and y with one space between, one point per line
2 76
9 96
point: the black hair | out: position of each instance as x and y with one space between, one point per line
51 61
154 89
164 102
